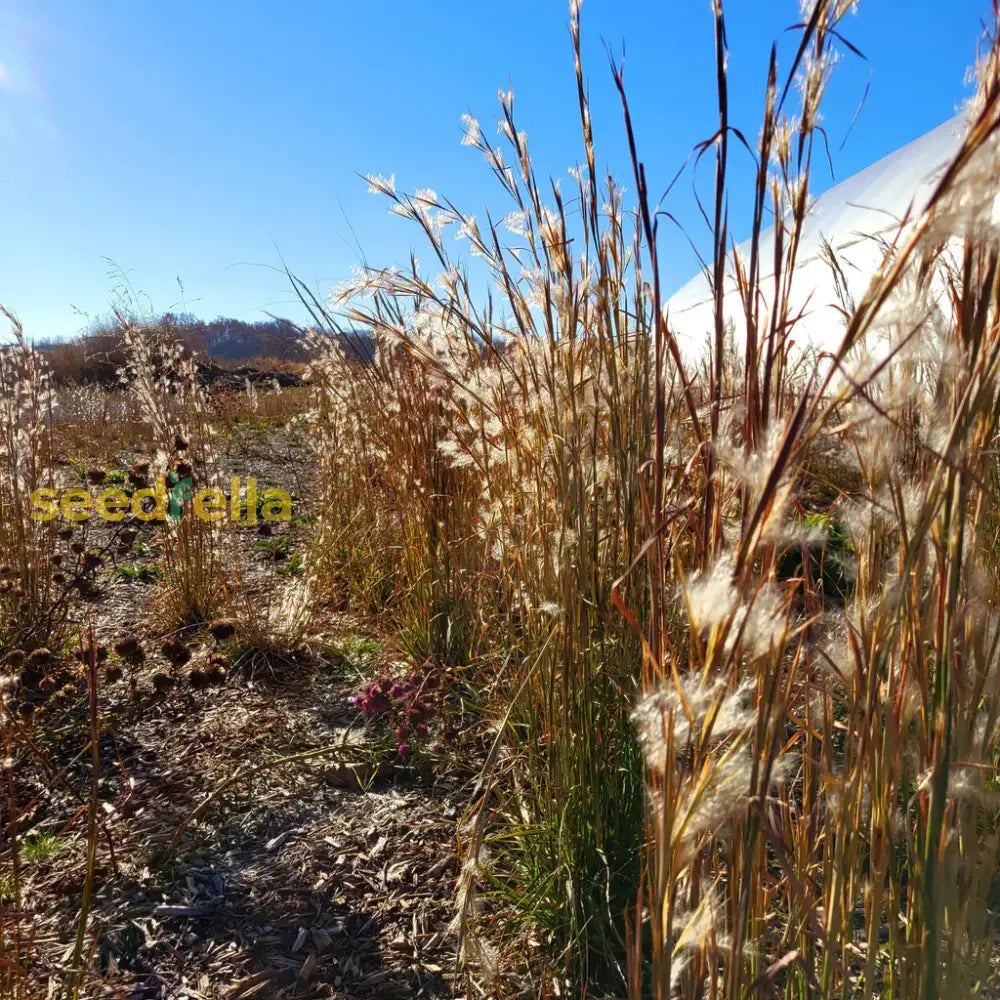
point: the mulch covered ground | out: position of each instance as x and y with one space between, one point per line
308 879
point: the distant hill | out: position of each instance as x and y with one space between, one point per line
96 355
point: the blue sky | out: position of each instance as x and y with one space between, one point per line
199 139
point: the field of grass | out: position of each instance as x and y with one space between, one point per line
578 667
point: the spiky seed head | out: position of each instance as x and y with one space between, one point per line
14 659
130 650
139 474
40 659
162 683
176 652
216 674
222 629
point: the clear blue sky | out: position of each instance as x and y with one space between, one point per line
197 139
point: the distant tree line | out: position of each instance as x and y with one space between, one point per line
95 355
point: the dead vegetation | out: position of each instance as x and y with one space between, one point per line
580 667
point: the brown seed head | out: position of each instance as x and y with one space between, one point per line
40 659
162 683
222 629
130 650
14 659
176 652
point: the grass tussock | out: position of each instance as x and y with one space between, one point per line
782 769
34 597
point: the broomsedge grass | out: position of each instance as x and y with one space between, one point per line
33 606
163 380
542 486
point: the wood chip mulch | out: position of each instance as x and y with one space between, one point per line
298 882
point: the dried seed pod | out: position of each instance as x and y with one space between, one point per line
222 629
14 659
65 533
198 679
176 652
216 674
139 474
40 659
180 443
162 683
130 650
184 470
96 477
113 673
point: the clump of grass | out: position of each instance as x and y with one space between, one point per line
40 848
35 599
267 632
162 377
542 488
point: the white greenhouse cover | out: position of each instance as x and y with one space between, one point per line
870 204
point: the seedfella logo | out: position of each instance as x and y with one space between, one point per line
161 504
181 491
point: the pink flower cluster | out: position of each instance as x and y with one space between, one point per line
405 702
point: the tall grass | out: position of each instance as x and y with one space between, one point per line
540 486
33 606
162 378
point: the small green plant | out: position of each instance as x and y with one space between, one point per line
359 646
293 567
41 847
276 548
142 572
